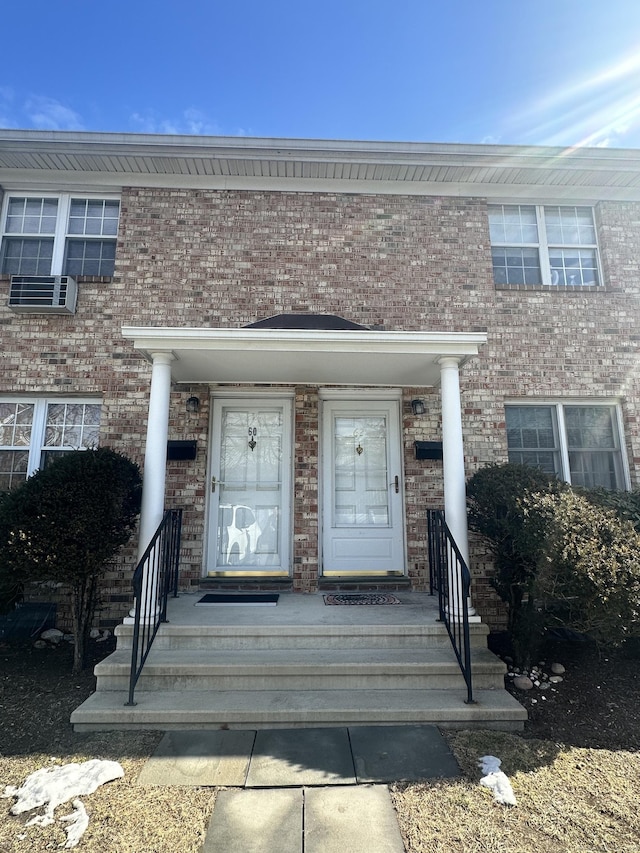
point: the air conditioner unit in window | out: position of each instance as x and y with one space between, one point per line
43 294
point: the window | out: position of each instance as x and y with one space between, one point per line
59 235
578 443
550 245
33 431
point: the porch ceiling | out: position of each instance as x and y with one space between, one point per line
297 357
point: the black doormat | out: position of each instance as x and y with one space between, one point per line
268 598
362 598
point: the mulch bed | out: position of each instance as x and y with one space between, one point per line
38 694
597 704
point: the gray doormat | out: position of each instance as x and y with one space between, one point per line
361 598
268 598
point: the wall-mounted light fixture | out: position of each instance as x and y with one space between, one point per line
193 405
418 407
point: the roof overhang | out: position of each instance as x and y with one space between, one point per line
302 357
102 161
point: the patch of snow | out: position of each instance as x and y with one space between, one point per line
495 779
52 786
78 821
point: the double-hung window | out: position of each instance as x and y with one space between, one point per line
32 431
581 444
60 234
552 245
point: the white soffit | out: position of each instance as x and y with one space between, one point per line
66 159
291 357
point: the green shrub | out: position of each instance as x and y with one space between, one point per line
562 556
504 509
64 524
625 504
590 580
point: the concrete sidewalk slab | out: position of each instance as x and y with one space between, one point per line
256 822
356 820
300 757
200 758
401 754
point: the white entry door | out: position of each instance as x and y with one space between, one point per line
363 519
249 515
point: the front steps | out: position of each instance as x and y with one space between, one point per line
275 676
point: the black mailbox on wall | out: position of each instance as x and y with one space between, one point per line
181 449
428 449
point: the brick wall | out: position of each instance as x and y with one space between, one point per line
227 259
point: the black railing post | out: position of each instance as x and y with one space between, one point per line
154 576
450 576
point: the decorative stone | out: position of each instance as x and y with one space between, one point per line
557 669
52 635
523 682
39 644
94 633
545 685
556 679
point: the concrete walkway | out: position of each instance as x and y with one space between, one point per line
311 790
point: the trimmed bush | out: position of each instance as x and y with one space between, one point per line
504 509
590 580
65 523
562 556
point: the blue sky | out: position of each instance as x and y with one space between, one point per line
558 72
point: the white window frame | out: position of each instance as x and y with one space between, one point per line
543 245
563 445
61 234
39 425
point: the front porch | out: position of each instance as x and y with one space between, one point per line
301 663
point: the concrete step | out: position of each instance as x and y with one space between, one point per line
259 709
361 636
300 669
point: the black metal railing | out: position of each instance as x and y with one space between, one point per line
449 576
155 576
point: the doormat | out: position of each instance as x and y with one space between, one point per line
268 598
362 598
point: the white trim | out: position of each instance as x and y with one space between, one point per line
559 403
544 246
87 159
103 183
373 394
40 405
61 233
361 358
251 392
348 403
288 458
564 400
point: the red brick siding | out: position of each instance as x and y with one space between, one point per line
228 258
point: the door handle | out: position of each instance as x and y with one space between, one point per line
397 483
213 484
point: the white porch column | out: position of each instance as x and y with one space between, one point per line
155 455
155 469
455 497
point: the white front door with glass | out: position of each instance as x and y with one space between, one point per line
363 521
249 514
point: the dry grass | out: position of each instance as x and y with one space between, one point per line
123 818
570 800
